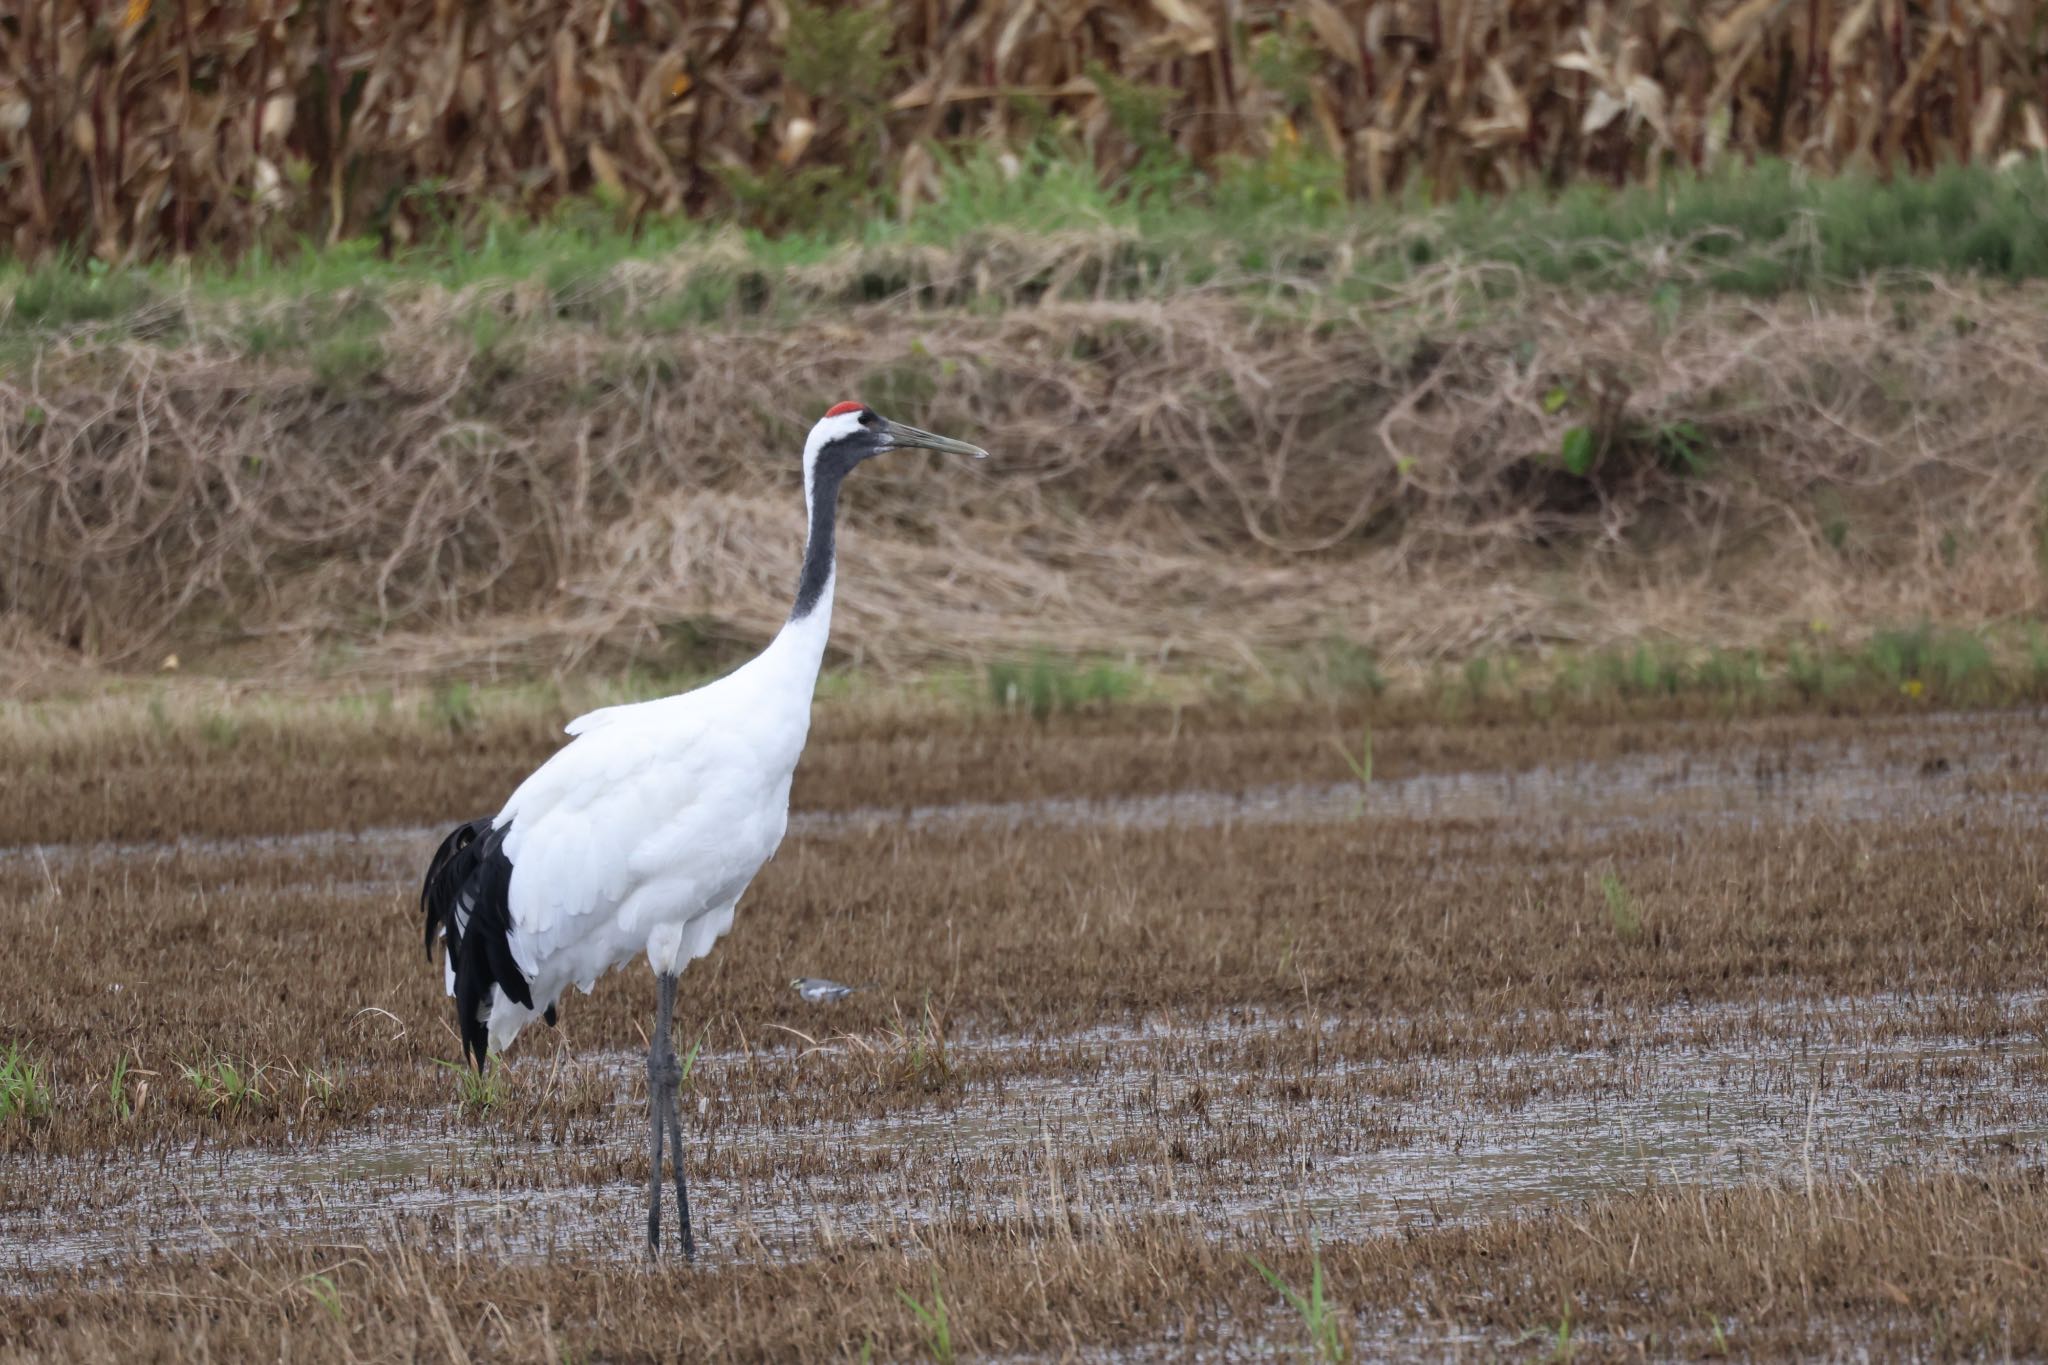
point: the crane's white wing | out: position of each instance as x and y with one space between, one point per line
657 814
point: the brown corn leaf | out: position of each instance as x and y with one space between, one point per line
1335 30
1985 126
1842 47
1509 121
604 168
1744 22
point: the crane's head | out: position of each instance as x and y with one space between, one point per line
851 432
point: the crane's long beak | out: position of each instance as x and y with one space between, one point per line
903 438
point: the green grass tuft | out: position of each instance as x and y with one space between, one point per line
935 1319
1049 685
119 1104
479 1092
1322 1319
1622 914
452 706
24 1088
1360 765
227 1087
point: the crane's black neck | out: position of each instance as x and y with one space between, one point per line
818 550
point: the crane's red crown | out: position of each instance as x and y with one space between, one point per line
841 409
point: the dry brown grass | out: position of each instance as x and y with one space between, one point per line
1900 1263
163 128
1183 479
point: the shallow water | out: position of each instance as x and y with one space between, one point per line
1807 1094
1987 766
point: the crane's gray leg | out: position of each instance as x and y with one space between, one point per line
655 1110
672 1081
664 1081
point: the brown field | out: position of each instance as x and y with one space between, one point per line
1594 1036
151 129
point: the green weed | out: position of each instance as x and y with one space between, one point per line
323 1291
912 1053
1680 447
1478 674
1275 228
1360 765
118 1101
477 1092
347 356
1720 1346
1346 669
1049 685
316 1087
1322 1319
2037 658
1731 673
1816 674
1562 1345
64 294
225 1086
690 1057
24 1088
220 729
934 1319
1915 660
452 706
1622 914
1641 672
922 1045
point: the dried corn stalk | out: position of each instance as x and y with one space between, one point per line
133 128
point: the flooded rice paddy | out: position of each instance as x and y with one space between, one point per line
1445 1004
1176 1119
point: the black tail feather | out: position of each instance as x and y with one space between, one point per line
467 896
449 870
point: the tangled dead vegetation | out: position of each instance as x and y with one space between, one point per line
1186 477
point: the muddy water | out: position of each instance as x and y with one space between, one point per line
1191 1116
1951 763
1348 1148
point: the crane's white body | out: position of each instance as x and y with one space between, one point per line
640 835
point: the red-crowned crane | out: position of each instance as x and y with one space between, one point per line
640 834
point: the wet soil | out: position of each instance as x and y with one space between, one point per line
1500 987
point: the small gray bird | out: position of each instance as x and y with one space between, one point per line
818 991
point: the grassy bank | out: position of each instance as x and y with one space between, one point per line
1228 425
1010 232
